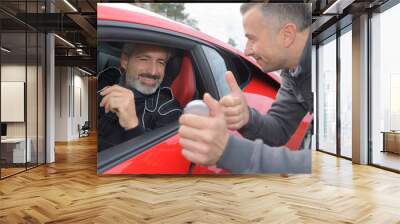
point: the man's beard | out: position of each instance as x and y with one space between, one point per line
134 82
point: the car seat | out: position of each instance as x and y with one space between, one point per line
183 86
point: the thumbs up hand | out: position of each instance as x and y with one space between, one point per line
234 105
203 139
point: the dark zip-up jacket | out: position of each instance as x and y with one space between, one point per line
153 111
256 154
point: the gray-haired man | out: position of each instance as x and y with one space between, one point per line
278 38
136 103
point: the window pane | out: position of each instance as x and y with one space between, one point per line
41 98
31 98
14 151
327 96
346 94
21 64
218 67
385 88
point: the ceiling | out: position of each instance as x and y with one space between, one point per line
332 15
75 22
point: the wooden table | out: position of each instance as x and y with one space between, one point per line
391 141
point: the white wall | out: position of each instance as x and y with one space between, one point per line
81 82
61 103
33 126
16 73
70 83
12 101
12 73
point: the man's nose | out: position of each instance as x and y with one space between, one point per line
153 68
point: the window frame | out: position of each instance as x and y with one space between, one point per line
326 39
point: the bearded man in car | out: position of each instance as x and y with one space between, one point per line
132 98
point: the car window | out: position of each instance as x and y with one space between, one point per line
218 68
240 69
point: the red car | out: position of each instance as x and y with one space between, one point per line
198 67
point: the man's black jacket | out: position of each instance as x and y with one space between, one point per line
153 111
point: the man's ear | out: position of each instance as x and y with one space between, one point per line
124 61
289 34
